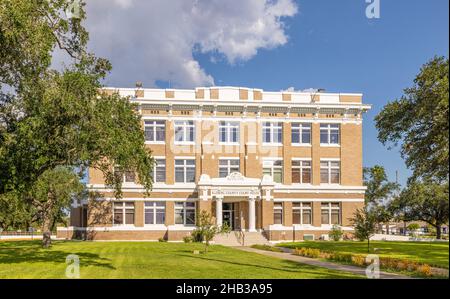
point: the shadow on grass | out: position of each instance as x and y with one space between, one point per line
288 266
31 252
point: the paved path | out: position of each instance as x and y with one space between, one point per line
319 263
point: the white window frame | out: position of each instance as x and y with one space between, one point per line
155 208
123 207
269 164
124 176
278 207
329 209
228 167
185 125
184 209
328 128
301 208
155 168
301 127
153 124
273 128
185 167
228 126
301 167
329 168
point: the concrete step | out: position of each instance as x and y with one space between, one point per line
238 238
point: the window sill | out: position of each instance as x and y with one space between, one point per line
329 145
229 143
301 144
184 143
155 142
272 144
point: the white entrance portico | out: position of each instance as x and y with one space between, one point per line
232 187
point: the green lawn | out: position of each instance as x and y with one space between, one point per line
26 259
434 254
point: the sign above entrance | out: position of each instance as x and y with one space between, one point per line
236 192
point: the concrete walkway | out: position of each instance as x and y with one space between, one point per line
319 263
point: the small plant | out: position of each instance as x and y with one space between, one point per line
187 239
308 252
162 240
425 270
336 233
207 229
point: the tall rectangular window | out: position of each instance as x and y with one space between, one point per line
185 213
159 171
329 134
329 172
185 170
155 130
301 213
227 166
155 212
301 133
123 213
331 212
126 176
301 172
272 132
229 131
184 131
278 213
274 168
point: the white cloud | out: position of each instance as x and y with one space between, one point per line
155 40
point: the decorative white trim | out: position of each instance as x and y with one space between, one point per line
318 199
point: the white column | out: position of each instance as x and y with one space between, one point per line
251 214
219 211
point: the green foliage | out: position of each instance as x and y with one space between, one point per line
364 224
419 120
207 229
424 201
336 233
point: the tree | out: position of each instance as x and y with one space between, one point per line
413 227
14 212
51 194
378 193
336 233
52 119
207 229
419 119
364 224
424 201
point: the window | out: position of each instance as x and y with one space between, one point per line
159 171
229 132
184 131
329 134
329 172
185 213
155 130
330 213
301 133
126 176
272 132
301 213
301 172
274 168
227 166
278 213
185 171
123 213
155 212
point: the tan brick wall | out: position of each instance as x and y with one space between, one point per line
350 99
170 213
347 211
267 213
139 213
316 154
243 94
316 217
287 213
99 213
351 155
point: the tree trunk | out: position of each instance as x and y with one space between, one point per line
438 232
46 236
387 228
368 245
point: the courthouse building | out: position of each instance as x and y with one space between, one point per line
286 165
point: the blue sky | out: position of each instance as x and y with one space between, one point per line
273 45
333 45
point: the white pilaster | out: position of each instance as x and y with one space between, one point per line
219 211
251 215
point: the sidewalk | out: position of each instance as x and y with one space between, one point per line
324 264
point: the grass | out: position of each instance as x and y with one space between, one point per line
266 248
432 253
26 259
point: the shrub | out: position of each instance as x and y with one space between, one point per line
187 239
336 233
424 270
162 240
307 252
196 236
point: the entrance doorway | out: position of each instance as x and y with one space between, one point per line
228 215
